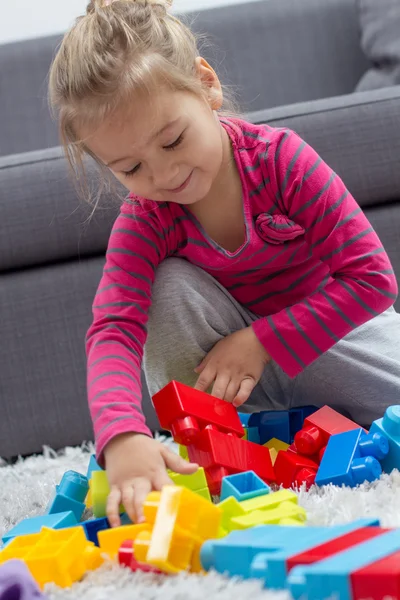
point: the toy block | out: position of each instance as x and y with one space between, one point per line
92 466
88 499
234 554
61 556
110 540
100 488
333 574
70 495
16 582
185 412
243 486
293 469
35 524
274 445
286 513
270 424
230 508
380 580
253 435
273 567
244 418
297 416
317 429
183 453
181 522
126 558
92 528
389 426
196 482
352 457
221 455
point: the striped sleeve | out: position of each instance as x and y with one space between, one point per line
115 340
362 283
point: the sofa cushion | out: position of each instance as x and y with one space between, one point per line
380 29
43 220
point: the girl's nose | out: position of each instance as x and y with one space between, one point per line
165 175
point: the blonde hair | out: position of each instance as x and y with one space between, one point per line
118 48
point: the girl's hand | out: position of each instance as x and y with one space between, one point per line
234 366
136 464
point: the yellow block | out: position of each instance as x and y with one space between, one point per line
289 512
183 452
274 446
110 540
268 501
230 508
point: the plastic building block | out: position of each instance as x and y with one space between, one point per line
126 557
70 495
270 424
293 469
333 574
243 486
379 581
35 524
244 418
274 445
183 453
253 435
389 426
16 582
195 481
99 489
185 411
61 556
92 528
317 429
273 567
352 457
297 416
110 540
92 466
221 455
286 513
181 522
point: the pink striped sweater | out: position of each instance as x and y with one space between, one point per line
311 267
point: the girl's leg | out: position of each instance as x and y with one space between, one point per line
190 313
360 375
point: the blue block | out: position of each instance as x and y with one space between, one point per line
244 418
271 424
93 527
243 486
125 520
297 417
70 495
332 575
93 466
271 567
352 457
253 434
389 426
35 524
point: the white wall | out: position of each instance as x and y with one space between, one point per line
22 19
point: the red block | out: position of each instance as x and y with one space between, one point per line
224 454
318 428
378 581
185 412
293 469
334 546
126 557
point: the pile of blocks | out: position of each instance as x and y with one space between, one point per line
238 514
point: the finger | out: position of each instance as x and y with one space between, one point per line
127 498
246 387
161 479
202 365
142 488
112 507
232 390
177 464
220 385
205 379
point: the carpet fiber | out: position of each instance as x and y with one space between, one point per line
26 487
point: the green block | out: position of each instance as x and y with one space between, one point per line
195 481
99 489
183 453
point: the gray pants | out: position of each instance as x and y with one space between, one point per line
191 312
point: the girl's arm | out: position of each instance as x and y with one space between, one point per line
117 335
339 234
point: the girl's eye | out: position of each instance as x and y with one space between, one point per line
132 171
175 143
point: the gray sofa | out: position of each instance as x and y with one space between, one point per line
292 63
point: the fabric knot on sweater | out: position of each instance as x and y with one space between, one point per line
276 229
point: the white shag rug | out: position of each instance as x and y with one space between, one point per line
26 487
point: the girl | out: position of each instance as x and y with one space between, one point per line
239 256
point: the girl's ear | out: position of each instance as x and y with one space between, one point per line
210 82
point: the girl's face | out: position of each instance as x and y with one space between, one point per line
169 148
